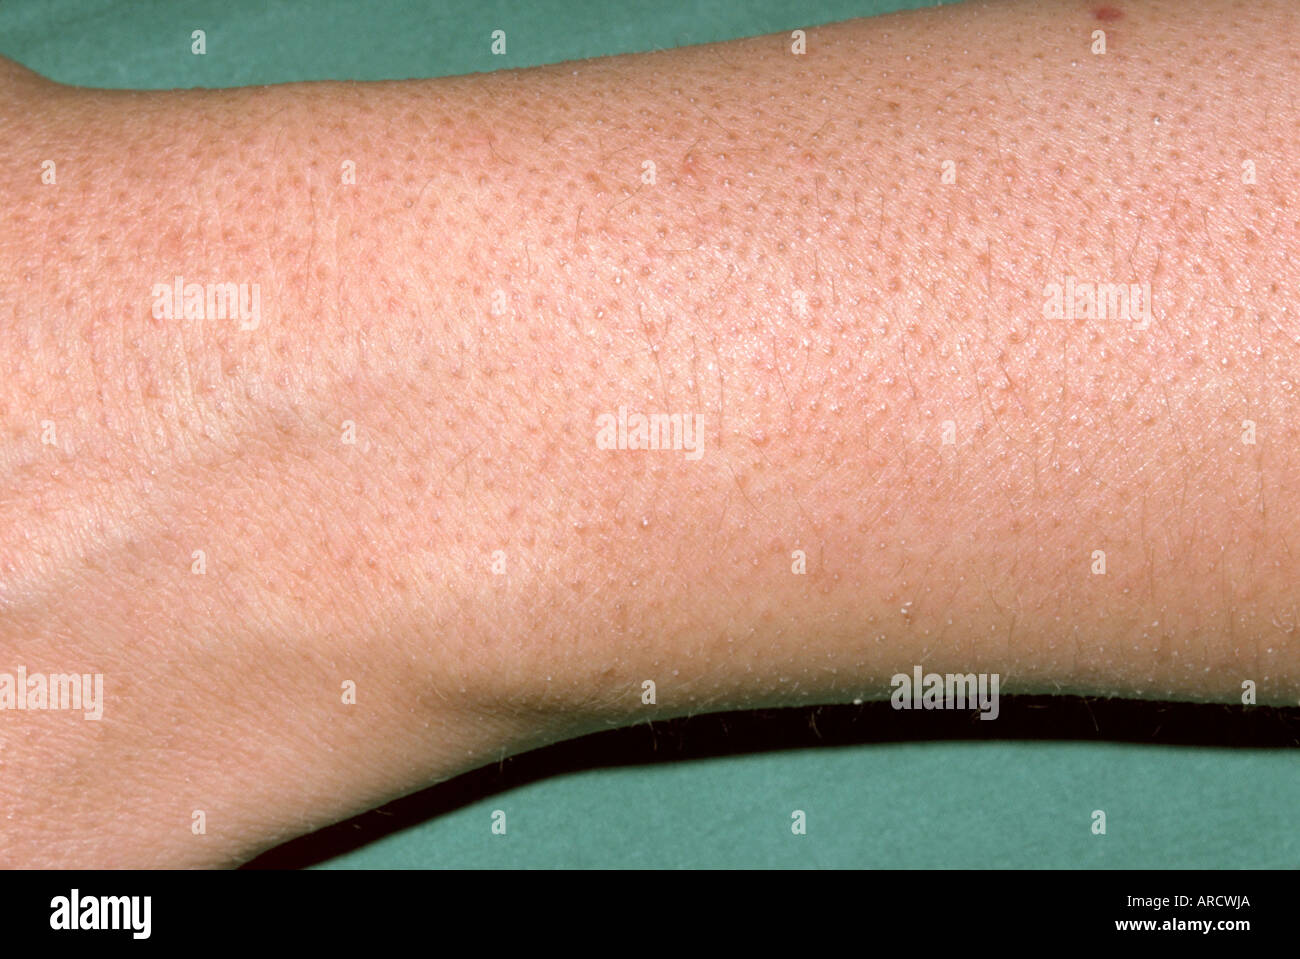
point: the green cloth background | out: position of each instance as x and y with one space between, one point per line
1182 786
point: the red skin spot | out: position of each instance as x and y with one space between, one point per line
1108 13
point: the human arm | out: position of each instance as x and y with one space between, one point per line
775 175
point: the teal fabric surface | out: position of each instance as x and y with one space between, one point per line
922 805
1208 798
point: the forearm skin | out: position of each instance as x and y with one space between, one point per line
502 272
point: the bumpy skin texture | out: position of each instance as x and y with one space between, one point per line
799 274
